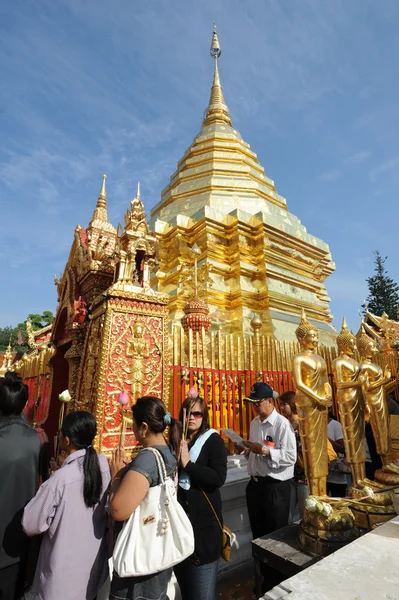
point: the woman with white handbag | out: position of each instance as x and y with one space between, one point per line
156 533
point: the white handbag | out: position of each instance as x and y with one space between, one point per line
158 535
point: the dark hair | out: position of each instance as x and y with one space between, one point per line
151 410
81 428
205 414
288 398
13 395
12 376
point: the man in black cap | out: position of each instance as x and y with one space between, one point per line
271 458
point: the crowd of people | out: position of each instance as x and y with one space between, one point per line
58 532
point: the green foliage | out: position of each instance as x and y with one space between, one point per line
38 322
383 290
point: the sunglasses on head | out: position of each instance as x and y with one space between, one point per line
197 414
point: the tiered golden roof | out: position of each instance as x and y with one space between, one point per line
262 259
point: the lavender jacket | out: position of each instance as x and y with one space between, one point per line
72 562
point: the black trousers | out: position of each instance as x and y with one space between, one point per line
336 490
268 502
12 581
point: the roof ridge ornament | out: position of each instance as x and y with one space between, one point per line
217 111
100 212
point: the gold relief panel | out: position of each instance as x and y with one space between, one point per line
134 363
88 385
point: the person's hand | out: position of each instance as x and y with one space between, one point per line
118 461
254 447
184 454
240 450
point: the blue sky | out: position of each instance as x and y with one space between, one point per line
120 87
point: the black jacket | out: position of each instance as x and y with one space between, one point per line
209 474
19 475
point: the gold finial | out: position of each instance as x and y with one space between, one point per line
103 191
100 212
217 111
136 213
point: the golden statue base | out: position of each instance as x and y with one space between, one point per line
321 536
386 478
374 510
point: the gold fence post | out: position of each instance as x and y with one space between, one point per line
256 325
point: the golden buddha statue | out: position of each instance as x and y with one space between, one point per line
349 383
313 397
375 387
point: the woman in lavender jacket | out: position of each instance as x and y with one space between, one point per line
69 509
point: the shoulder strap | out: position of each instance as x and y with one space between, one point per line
213 510
196 448
160 463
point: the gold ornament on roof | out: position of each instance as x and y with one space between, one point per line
304 326
100 212
345 336
217 111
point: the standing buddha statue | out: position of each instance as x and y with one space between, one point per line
313 397
349 383
376 384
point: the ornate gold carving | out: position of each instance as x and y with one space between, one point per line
138 349
29 331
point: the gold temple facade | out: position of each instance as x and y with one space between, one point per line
259 256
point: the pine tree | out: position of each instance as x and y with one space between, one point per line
383 291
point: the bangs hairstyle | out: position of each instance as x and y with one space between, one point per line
288 398
204 409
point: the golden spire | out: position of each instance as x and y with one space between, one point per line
100 212
136 214
217 111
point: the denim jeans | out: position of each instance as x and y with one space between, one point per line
197 582
299 493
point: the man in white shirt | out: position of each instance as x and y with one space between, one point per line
271 460
336 479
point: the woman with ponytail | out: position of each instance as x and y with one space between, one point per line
69 509
131 482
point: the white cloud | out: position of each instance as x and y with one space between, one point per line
358 158
330 176
384 168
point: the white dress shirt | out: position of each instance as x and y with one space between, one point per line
335 433
280 463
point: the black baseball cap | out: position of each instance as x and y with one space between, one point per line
259 392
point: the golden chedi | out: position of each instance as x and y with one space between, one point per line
375 387
313 397
262 258
346 371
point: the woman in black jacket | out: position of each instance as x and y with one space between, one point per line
203 468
